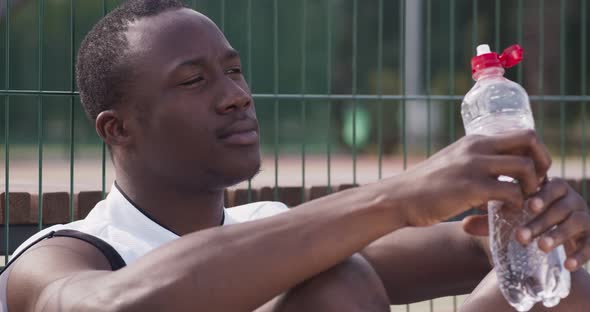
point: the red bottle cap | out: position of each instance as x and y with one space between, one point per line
510 57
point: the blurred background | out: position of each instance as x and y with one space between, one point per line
347 91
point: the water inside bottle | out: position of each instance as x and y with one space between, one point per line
526 274
501 121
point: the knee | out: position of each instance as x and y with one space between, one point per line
361 289
354 274
352 285
486 297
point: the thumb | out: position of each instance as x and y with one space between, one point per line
476 225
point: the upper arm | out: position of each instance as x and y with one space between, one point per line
50 262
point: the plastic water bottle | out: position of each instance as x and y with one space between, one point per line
495 104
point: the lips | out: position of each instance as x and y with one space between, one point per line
240 133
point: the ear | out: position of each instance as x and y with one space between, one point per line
112 128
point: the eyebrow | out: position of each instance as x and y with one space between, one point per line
231 54
200 62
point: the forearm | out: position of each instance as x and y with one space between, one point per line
239 267
423 263
255 261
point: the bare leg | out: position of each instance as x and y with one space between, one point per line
487 297
350 286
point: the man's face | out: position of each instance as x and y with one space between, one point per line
195 123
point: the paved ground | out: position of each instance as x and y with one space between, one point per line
24 171
438 305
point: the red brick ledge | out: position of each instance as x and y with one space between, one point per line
56 205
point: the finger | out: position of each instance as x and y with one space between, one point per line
518 167
535 205
557 214
570 229
552 191
572 245
579 258
507 192
523 142
476 225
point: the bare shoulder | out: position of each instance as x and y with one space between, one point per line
49 261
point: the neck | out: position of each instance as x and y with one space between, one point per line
179 210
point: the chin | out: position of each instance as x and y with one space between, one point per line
232 167
254 173
249 165
240 172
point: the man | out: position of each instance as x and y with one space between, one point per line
166 93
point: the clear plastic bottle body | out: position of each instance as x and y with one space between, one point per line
526 274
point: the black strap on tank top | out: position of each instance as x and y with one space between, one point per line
114 258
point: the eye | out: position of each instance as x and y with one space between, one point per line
234 70
193 81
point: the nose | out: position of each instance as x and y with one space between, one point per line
235 98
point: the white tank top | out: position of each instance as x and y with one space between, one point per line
132 234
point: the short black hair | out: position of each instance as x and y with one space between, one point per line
103 71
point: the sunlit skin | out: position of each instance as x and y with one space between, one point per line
191 128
